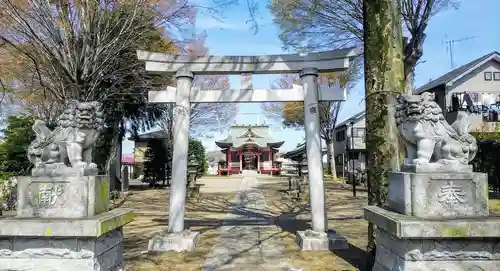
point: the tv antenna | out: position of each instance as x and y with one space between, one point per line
450 47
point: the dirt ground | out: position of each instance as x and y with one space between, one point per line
344 216
205 215
150 207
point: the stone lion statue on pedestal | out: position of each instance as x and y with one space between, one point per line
68 148
427 135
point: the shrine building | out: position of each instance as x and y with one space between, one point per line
249 147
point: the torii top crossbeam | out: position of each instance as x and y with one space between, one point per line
329 61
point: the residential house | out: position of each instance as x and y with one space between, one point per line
350 147
474 87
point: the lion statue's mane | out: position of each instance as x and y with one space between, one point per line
428 136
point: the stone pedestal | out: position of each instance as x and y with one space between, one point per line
88 244
408 243
436 221
63 223
178 242
62 197
439 195
308 240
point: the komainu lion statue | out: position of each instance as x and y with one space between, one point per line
68 148
427 135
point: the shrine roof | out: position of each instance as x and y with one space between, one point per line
297 153
145 137
256 135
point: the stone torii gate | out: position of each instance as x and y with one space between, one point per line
185 67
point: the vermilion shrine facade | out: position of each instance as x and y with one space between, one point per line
249 147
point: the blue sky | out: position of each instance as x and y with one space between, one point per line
233 36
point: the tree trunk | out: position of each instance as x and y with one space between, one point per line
413 51
384 79
118 163
113 163
328 158
409 82
330 145
409 71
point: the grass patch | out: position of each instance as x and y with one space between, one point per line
494 205
328 178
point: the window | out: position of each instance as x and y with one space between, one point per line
340 136
487 76
474 96
354 155
358 132
496 76
338 159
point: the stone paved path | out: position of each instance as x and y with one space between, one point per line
247 241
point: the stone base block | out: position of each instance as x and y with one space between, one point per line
56 265
409 244
193 192
436 168
387 260
410 227
178 242
92 244
321 241
439 195
62 197
93 226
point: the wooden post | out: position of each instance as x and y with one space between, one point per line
125 178
241 161
229 155
258 161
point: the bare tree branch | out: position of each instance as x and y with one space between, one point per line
76 45
321 24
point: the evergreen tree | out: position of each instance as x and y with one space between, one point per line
18 136
156 157
197 150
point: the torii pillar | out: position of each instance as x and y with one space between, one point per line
178 239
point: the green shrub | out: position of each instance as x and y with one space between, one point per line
8 194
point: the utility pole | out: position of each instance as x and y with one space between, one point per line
450 44
353 178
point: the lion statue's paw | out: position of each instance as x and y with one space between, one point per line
80 165
449 161
420 161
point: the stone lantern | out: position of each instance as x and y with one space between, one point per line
192 170
303 167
